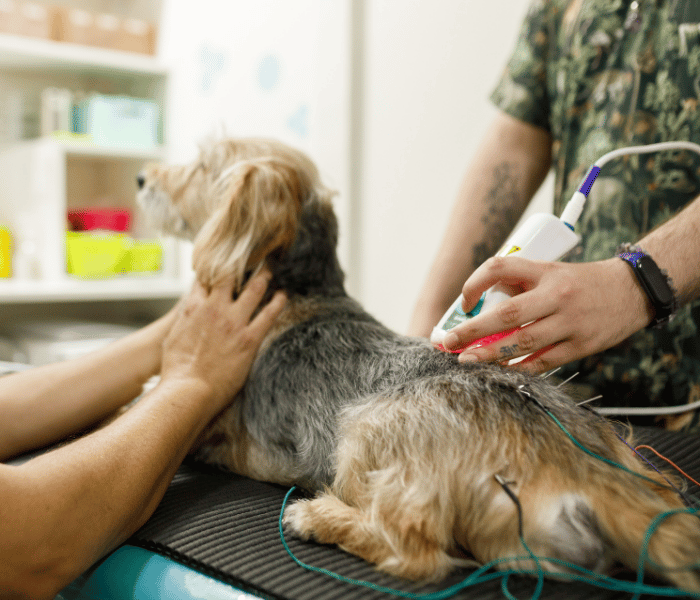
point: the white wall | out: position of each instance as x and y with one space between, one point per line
429 68
389 97
267 68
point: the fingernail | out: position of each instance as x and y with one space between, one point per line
468 358
451 340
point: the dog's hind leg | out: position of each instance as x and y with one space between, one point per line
400 544
391 511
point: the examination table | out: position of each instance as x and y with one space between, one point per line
215 536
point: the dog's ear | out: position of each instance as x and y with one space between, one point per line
258 213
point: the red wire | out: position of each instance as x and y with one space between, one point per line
670 462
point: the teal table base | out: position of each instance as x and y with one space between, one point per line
131 572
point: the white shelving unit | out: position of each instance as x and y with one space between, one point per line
21 52
128 288
42 178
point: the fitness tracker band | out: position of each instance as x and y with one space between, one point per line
655 283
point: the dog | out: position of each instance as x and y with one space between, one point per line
414 460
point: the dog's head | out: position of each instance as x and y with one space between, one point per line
244 203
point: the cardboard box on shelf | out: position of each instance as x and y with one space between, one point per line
76 26
107 30
26 17
137 36
36 20
9 16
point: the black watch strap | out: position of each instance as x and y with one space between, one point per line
655 283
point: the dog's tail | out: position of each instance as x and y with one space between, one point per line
594 514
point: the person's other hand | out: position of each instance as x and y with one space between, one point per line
214 338
570 311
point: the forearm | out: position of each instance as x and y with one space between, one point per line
47 403
73 505
675 247
509 167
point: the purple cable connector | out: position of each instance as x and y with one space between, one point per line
588 181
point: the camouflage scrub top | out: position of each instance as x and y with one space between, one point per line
604 74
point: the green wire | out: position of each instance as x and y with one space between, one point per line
647 538
480 576
602 458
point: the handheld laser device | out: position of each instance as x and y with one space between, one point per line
541 237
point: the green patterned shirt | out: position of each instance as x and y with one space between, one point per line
600 75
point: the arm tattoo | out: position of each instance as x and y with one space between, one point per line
503 208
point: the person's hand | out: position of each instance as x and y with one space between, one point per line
214 339
570 311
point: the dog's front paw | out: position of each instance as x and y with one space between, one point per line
298 519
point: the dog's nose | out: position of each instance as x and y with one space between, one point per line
141 180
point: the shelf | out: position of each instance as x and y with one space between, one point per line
87 149
121 288
20 52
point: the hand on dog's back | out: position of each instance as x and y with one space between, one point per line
214 339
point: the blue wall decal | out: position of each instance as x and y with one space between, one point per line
299 120
211 64
269 72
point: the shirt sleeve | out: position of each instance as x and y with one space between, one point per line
522 90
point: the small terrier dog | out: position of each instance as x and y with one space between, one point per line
416 461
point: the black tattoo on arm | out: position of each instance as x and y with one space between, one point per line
503 209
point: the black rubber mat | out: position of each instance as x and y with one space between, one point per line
227 527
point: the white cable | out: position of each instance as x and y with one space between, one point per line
572 212
661 146
646 410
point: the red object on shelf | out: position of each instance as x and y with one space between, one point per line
111 219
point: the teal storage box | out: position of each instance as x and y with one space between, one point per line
118 121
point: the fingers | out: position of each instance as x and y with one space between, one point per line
511 272
252 294
264 320
547 359
197 294
249 301
507 315
533 339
